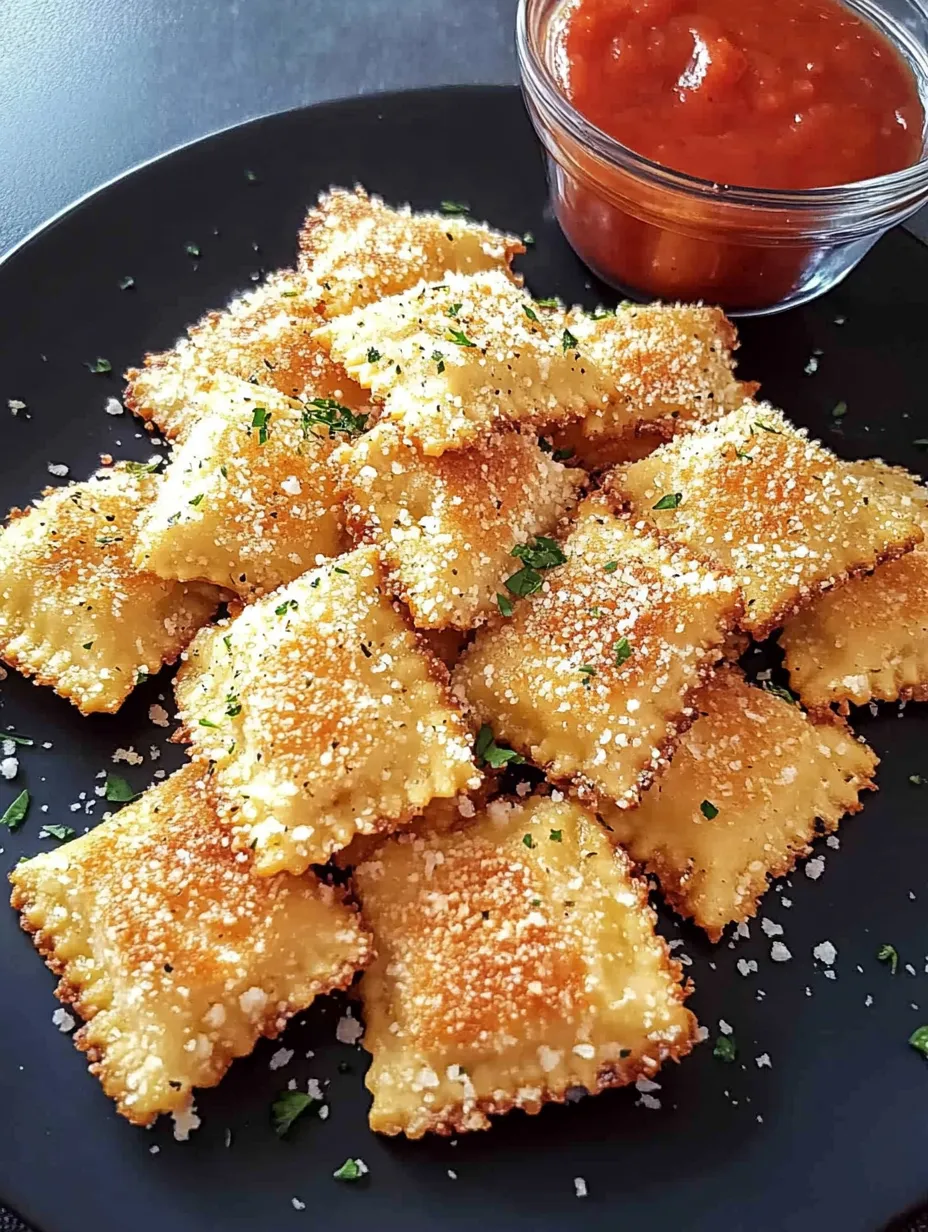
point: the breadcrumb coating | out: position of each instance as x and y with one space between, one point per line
739 803
76 613
175 953
323 716
591 676
757 497
249 500
356 249
446 526
868 640
516 960
264 336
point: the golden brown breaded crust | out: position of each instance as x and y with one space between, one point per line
454 361
75 611
323 715
516 959
738 804
591 676
356 249
446 526
265 337
174 952
668 364
759 498
868 640
250 499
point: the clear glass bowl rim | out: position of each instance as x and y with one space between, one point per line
539 82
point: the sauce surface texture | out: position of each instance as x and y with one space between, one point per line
759 93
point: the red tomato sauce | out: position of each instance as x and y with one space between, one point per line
784 94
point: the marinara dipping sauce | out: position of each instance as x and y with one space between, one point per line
760 101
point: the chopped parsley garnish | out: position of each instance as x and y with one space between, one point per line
104 540
288 605
287 1107
141 675
454 309
708 810
351 1170
919 1040
599 314
740 453
623 651
548 303
233 706
839 410
524 582
16 737
260 420
144 468
373 355
759 423
63 834
888 954
100 366
725 1049
528 238
556 836
439 361
339 569
611 566
587 669
195 500
15 815
251 176
561 455
458 336
916 780
126 283
778 690
496 755
206 723
455 207
118 791
332 415
192 250
540 553
227 641
669 501
530 312
86 645
505 605
528 841
568 341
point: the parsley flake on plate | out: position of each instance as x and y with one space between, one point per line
63 834
100 366
117 791
725 1049
455 207
15 815
888 954
351 1170
287 1107
919 1040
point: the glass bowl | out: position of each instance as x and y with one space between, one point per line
655 233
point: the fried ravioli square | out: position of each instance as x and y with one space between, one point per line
177 956
668 365
323 716
515 960
591 676
756 496
264 336
446 526
454 361
356 249
250 499
867 640
75 611
739 803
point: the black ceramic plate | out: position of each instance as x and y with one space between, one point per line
832 1135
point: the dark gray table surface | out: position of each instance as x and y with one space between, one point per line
89 88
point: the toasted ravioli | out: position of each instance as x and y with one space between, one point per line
668 365
456 360
356 249
740 800
174 952
446 526
516 959
323 716
756 496
249 500
75 612
264 336
591 676
600 452
868 640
